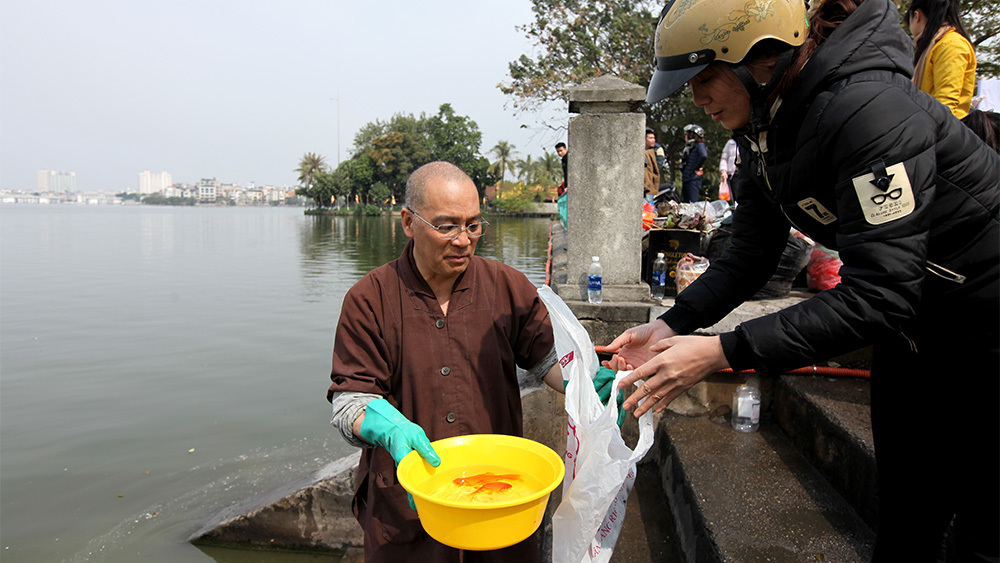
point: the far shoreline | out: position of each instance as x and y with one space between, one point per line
352 211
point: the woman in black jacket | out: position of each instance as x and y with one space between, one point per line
837 141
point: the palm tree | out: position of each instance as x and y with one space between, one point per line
550 167
504 152
308 167
526 169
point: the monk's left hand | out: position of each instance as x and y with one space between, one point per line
679 363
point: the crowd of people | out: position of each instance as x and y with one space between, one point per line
851 150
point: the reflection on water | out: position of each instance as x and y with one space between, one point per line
518 243
159 364
338 251
156 236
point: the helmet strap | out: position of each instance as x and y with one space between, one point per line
760 118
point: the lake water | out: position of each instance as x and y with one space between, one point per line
158 364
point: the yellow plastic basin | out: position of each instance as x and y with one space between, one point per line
471 513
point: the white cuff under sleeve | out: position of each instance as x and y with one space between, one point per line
538 371
347 407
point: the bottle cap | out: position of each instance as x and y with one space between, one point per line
659 255
595 258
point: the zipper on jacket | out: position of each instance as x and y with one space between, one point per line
909 341
763 171
756 148
759 146
944 273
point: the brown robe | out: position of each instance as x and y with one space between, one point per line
452 375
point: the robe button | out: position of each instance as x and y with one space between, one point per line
451 417
445 370
439 323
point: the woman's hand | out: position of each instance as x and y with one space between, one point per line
679 363
634 344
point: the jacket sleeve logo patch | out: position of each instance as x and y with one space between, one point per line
817 211
885 194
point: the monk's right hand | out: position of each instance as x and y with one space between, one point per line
385 426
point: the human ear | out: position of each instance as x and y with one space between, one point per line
406 216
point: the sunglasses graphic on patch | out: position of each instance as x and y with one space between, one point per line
879 199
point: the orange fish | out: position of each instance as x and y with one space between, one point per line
487 478
494 487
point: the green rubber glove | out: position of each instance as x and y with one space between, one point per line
387 427
603 381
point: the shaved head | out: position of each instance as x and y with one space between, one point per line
416 185
440 194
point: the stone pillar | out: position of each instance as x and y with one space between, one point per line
604 207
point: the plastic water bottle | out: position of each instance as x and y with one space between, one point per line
595 279
746 406
658 282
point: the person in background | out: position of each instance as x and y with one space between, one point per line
944 60
661 154
986 126
692 161
653 167
836 139
727 169
666 186
390 396
563 155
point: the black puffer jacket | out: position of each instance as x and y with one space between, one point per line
862 161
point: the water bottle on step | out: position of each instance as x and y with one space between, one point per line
658 281
746 406
595 279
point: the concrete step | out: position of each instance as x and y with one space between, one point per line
752 497
829 422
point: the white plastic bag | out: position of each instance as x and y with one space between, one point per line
600 467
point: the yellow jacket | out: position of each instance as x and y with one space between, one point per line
950 74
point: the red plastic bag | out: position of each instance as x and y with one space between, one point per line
648 215
823 270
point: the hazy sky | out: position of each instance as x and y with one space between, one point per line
240 90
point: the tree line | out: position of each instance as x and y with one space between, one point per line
386 152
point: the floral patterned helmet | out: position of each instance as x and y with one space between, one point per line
694 33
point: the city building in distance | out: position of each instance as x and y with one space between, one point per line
56 181
154 182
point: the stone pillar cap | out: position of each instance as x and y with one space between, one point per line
606 89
